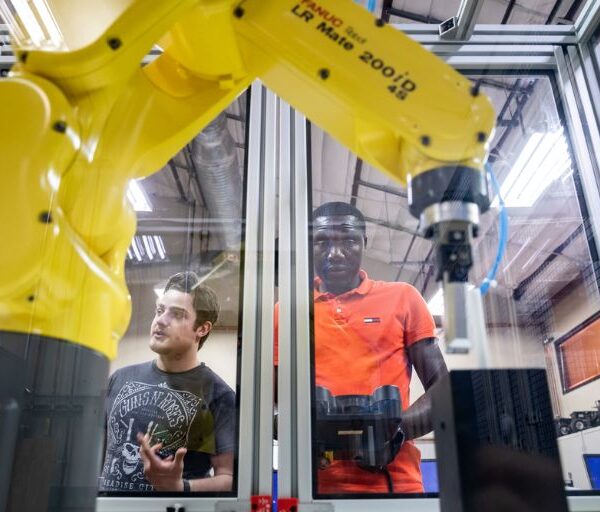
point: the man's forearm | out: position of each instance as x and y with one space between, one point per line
416 419
212 484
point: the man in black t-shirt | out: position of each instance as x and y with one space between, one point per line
171 422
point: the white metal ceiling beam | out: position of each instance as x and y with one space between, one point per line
587 22
461 26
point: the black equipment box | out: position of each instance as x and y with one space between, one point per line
494 433
363 428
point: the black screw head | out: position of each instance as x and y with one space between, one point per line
425 140
114 43
31 298
238 12
45 217
481 136
59 126
23 57
324 73
379 22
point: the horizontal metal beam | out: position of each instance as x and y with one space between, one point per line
498 34
493 46
513 63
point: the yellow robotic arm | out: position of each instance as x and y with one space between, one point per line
85 118
82 117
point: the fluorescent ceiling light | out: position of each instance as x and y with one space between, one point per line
31 23
136 251
147 249
49 23
436 303
544 158
137 197
148 246
160 247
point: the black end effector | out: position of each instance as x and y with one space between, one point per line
364 428
448 202
453 251
446 184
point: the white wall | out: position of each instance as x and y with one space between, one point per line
219 353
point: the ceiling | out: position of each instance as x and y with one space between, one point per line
513 12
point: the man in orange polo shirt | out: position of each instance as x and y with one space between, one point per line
369 334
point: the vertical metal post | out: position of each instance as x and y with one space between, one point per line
303 296
249 392
286 476
256 439
267 294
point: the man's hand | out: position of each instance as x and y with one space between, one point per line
428 361
163 474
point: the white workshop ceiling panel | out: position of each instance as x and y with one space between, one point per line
513 12
428 11
530 12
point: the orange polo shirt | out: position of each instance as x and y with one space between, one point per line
361 338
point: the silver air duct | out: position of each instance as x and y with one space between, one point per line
215 157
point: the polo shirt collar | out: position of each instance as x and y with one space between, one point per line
362 289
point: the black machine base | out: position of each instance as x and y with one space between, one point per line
496 443
51 424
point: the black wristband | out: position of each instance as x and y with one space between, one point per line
186 485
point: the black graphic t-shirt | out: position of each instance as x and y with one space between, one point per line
193 409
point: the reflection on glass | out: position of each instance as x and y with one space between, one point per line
171 418
171 421
546 288
369 335
543 150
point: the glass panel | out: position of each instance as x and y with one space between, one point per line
376 301
177 368
523 12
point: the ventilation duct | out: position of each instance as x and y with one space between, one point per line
215 157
